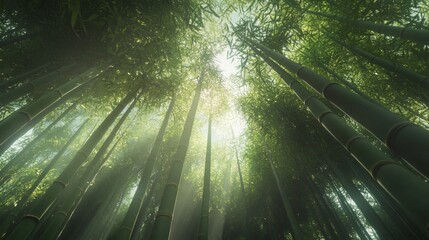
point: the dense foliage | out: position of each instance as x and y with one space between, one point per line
86 87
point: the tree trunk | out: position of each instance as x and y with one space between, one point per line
29 222
163 219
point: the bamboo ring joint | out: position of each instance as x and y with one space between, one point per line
326 86
61 183
59 92
62 213
28 115
308 98
291 83
401 35
320 117
33 86
126 228
34 217
350 142
393 131
299 70
171 184
377 166
164 214
83 153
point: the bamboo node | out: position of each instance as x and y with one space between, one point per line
28 115
62 213
378 165
299 71
308 98
33 86
326 86
61 183
164 214
59 92
171 184
350 142
323 114
126 228
83 153
31 216
291 83
393 131
401 35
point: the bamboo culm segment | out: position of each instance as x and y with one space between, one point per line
127 226
19 118
38 118
419 79
407 33
203 231
71 196
28 87
7 221
406 139
18 160
23 76
164 216
295 229
411 192
29 222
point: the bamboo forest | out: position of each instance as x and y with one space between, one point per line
214 119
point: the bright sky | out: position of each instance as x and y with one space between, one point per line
233 118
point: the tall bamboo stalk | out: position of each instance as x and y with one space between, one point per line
18 119
9 220
421 80
411 192
296 230
18 160
29 222
17 79
78 186
203 230
407 33
161 229
129 221
33 85
403 137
